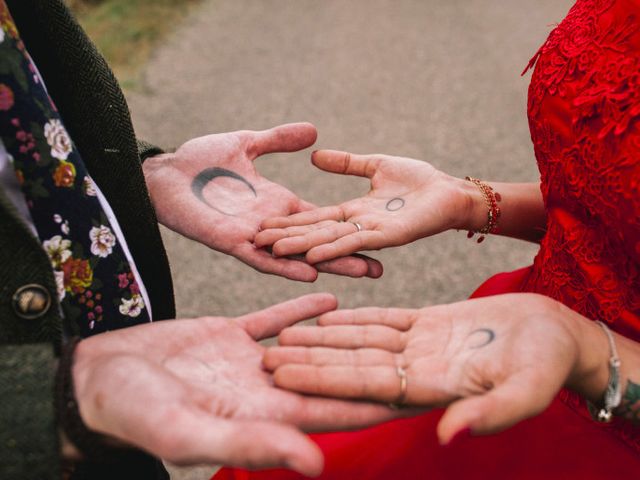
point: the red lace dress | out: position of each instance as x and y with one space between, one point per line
584 114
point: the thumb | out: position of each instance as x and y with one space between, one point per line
346 163
496 410
259 445
290 137
271 320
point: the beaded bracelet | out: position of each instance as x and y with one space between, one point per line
491 199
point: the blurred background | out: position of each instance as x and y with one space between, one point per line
431 79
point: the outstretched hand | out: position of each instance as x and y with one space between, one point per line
194 391
493 361
210 191
409 199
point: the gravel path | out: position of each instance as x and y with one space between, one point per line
430 79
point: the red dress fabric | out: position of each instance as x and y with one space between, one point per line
584 115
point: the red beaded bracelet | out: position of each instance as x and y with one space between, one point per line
491 198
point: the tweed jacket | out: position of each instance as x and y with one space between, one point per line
96 115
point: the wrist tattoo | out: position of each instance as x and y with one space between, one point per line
630 406
482 337
395 204
206 176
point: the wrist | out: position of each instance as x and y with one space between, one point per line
590 375
79 439
474 206
152 170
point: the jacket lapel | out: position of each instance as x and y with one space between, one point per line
97 117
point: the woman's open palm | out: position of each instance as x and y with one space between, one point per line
493 361
409 199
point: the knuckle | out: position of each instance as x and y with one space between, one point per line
346 162
359 240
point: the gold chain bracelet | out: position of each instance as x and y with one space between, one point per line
491 199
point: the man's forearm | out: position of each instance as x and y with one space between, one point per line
592 373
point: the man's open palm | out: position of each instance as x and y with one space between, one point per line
194 391
210 191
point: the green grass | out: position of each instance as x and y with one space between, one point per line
127 31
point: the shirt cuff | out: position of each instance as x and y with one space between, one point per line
29 440
146 150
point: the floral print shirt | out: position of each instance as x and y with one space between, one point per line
98 284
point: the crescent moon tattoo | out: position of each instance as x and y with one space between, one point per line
201 180
489 336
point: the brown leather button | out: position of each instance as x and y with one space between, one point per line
31 301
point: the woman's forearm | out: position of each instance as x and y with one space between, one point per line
592 374
523 214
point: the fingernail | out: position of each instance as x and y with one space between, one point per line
463 434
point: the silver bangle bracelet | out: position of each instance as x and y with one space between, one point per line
613 393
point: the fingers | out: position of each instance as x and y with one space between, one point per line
271 235
264 262
270 321
397 318
347 266
379 383
248 444
290 137
355 266
306 218
346 163
315 236
328 414
323 414
509 403
275 357
347 245
374 267
367 336
322 241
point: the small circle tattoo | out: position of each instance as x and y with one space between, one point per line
395 204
